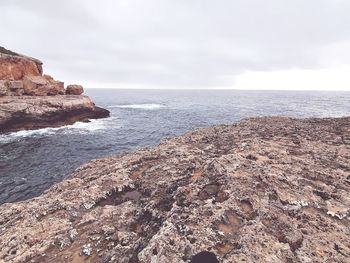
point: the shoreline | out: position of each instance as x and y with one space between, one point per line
238 185
55 116
31 113
30 99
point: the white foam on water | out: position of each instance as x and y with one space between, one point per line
78 127
93 125
28 133
146 106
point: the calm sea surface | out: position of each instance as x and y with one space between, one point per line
31 161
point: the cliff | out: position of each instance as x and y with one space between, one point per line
30 100
263 190
14 66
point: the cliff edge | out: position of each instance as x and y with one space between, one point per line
268 189
31 100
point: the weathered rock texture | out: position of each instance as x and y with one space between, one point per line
25 101
15 67
30 112
74 90
42 86
11 88
263 190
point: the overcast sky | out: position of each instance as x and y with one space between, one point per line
240 44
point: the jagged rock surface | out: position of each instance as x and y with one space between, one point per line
263 190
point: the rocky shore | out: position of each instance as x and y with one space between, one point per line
268 189
30 99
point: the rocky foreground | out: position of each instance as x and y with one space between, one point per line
263 190
30 99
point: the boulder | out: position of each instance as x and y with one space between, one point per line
74 90
42 86
58 84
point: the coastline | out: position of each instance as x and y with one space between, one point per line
30 99
30 113
255 189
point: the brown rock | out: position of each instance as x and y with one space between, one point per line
24 101
41 86
11 88
15 67
49 78
271 212
59 85
209 191
4 87
74 90
32 112
16 86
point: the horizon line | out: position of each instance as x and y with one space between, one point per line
219 89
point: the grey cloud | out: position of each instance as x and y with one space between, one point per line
186 43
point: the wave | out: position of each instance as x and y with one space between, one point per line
93 125
28 133
145 106
78 127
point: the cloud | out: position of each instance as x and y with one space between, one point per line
171 44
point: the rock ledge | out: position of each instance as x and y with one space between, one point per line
31 100
263 190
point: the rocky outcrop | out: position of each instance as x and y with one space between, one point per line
11 88
42 86
25 96
263 190
30 112
14 66
74 90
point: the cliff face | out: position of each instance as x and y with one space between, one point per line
29 99
15 67
263 190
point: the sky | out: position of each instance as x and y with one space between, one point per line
186 44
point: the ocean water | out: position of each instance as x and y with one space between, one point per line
31 161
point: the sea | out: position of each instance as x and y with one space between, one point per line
32 161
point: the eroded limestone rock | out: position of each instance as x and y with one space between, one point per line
15 67
74 90
33 112
25 97
42 86
11 88
284 182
